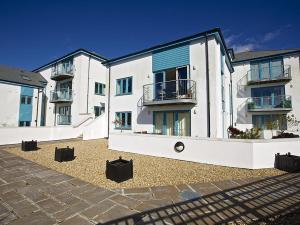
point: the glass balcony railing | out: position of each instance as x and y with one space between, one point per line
181 91
269 74
64 119
62 95
269 103
61 72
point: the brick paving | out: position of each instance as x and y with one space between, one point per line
35 195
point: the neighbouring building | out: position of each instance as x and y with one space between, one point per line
76 88
21 98
179 88
266 88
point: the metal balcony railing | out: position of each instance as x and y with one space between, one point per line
269 103
62 95
61 72
64 119
269 74
181 91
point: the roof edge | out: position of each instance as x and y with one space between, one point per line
80 50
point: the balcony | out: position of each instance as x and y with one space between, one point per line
60 96
64 119
179 91
61 72
269 103
269 75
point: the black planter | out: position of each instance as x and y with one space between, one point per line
29 145
289 163
119 170
64 154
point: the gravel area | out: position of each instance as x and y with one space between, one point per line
91 156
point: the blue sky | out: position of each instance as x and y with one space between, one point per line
36 32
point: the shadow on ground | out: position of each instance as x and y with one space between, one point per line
274 200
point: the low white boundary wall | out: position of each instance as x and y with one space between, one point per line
251 154
16 135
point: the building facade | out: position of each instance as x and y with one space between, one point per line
76 88
181 88
266 89
21 101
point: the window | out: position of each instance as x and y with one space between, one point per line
98 110
177 123
24 123
123 120
27 100
265 121
124 86
222 62
99 88
267 69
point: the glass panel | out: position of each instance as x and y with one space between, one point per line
129 119
265 71
124 86
158 122
23 99
29 100
159 94
276 68
169 123
183 83
118 87
254 74
184 124
123 119
129 85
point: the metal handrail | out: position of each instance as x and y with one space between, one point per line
270 102
61 94
170 90
282 72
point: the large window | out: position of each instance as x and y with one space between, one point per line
266 122
267 69
124 86
99 88
123 120
176 123
26 100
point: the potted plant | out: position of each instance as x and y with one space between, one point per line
118 124
251 105
29 145
288 162
64 154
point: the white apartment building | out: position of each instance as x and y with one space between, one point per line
21 97
179 88
266 85
76 88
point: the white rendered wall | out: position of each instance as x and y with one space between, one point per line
9 105
140 68
250 154
241 91
83 87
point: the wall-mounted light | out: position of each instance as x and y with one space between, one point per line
195 112
194 68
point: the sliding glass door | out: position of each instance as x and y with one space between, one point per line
177 123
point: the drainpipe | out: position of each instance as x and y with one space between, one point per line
88 87
207 86
231 101
108 102
37 107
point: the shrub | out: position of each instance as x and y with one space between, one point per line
253 133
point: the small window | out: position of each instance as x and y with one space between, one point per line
123 120
124 86
24 123
99 88
27 100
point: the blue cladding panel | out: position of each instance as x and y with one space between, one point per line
25 113
171 58
28 91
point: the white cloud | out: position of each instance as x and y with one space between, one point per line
244 47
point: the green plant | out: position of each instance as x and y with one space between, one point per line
251 105
253 133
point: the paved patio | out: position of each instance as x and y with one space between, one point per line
33 194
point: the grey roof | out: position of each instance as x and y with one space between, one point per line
251 55
21 77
